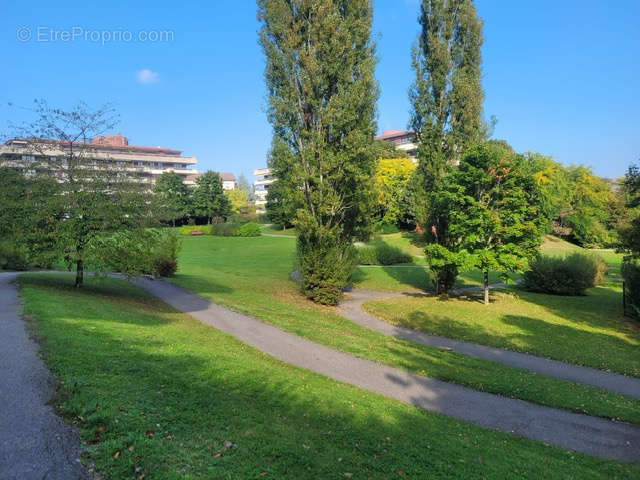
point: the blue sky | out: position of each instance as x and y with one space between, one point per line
562 77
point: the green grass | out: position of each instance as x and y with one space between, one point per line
275 230
252 276
588 330
155 393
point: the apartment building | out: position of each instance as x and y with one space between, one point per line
261 186
145 163
404 140
229 181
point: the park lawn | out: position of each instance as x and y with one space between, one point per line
157 395
251 275
557 247
275 230
588 330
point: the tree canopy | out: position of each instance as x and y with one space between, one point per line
492 209
209 199
322 93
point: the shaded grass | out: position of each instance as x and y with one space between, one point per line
155 393
588 331
251 276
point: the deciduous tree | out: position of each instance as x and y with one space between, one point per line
322 94
446 99
172 199
209 199
492 207
94 195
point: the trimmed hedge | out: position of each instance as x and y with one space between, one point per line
382 255
571 275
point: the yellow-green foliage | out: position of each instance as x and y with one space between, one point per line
392 175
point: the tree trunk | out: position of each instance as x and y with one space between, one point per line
486 287
79 273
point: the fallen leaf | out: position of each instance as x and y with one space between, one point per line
348 474
217 455
117 454
150 433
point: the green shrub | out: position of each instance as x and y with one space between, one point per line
165 267
631 275
571 275
325 261
225 229
385 228
13 257
382 255
195 229
249 230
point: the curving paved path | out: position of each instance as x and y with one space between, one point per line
34 442
594 436
351 308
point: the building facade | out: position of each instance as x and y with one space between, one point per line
264 178
404 140
229 181
145 163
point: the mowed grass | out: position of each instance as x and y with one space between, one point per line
251 275
589 330
157 395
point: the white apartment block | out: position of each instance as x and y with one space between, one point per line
145 163
404 140
264 179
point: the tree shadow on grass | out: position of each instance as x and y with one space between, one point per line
573 345
209 406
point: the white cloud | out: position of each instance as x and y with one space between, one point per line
146 76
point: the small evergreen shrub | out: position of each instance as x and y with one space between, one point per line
325 262
571 275
382 255
631 275
248 230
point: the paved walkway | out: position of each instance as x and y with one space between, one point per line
34 442
595 436
351 308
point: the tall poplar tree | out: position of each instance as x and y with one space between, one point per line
322 94
446 99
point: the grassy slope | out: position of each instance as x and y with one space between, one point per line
154 393
251 275
587 330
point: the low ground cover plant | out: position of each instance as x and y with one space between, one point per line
570 275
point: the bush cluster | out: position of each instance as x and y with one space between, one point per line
570 275
248 230
12 257
631 275
382 255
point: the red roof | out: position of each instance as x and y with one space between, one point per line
227 177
